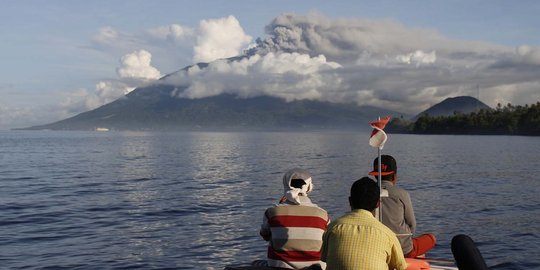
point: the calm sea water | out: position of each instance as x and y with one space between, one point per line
133 200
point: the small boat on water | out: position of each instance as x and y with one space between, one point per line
421 265
414 264
102 129
466 255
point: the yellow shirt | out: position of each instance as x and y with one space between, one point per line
358 240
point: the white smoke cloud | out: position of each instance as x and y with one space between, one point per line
84 100
285 75
347 40
370 62
137 65
135 70
77 101
528 54
175 45
418 57
106 92
172 45
219 38
212 39
174 33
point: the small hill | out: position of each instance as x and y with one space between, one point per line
450 106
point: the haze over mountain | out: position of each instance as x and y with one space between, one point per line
157 108
168 106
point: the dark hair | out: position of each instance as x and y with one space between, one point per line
364 194
297 183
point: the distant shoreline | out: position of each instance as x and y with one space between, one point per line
504 120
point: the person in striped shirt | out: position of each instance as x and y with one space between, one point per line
358 240
294 227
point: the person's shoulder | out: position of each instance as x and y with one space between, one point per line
345 218
356 217
315 209
297 209
272 208
399 189
399 185
316 206
338 221
306 202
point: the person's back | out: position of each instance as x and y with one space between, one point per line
295 226
398 214
397 210
358 240
296 234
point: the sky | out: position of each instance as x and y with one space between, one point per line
63 57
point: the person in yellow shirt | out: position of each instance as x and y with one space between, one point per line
358 240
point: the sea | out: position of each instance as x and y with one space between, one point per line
195 200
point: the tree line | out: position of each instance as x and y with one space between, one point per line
503 120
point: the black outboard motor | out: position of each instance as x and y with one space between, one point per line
467 256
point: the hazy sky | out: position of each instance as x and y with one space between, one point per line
60 58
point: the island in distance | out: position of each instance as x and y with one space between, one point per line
155 107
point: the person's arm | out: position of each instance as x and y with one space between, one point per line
265 231
410 219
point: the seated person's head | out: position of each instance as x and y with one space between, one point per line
297 183
388 168
298 179
364 194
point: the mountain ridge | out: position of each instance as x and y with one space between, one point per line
155 108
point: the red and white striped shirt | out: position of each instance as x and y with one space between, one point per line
295 234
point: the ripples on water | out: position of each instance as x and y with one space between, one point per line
74 200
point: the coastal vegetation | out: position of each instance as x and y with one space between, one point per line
503 120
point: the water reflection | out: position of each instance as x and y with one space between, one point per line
195 200
220 162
